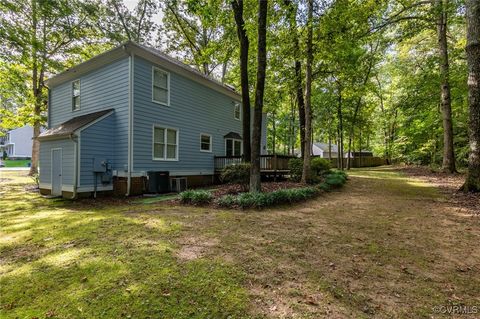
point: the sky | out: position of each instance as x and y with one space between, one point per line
130 4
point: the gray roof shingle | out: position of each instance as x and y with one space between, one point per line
70 126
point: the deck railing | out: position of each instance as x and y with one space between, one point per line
268 163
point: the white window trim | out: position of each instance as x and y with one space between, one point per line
233 145
154 68
211 142
79 96
165 159
235 105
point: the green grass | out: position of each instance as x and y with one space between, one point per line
385 246
78 260
16 163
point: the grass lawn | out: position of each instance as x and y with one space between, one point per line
385 246
16 163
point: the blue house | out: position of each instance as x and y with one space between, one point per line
133 120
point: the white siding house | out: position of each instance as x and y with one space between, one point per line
18 142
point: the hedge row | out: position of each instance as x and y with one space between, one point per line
333 179
262 200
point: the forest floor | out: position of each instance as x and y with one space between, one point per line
390 244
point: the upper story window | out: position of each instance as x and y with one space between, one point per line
205 142
165 143
76 95
160 86
237 111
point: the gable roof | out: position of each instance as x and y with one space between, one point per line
69 127
324 146
151 54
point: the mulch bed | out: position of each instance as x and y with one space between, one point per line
449 185
267 187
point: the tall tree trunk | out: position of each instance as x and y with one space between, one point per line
329 146
292 140
340 128
472 182
306 178
36 90
292 16
237 6
255 185
446 105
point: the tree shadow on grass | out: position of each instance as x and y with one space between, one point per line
104 263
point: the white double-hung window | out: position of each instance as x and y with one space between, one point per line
205 142
165 144
160 86
76 95
237 111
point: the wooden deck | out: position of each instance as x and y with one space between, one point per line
269 164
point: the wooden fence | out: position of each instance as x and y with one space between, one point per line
368 161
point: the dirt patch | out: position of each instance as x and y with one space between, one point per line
195 247
449 184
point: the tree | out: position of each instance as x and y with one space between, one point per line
200 33
120 24
255 184
37 35
308 97
292 19
472 182
237 6
446 104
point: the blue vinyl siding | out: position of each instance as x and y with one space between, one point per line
103 88
96 142
68 160
193 109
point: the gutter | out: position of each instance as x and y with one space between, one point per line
75 166
130 116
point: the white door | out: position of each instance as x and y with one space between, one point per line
57 172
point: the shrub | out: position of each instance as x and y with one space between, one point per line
196 197
336 179
226 201
323 186
262 200
295 165
320 166
238 174
257 200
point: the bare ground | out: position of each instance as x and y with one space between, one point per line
385 246
390 244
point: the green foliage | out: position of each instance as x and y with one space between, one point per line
262 200
295 165
196 197
320 165
237 174
226 201
335 179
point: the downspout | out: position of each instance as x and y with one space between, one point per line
49 98
130 115
75 168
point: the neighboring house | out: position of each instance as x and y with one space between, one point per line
322 150
17 143
131 111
